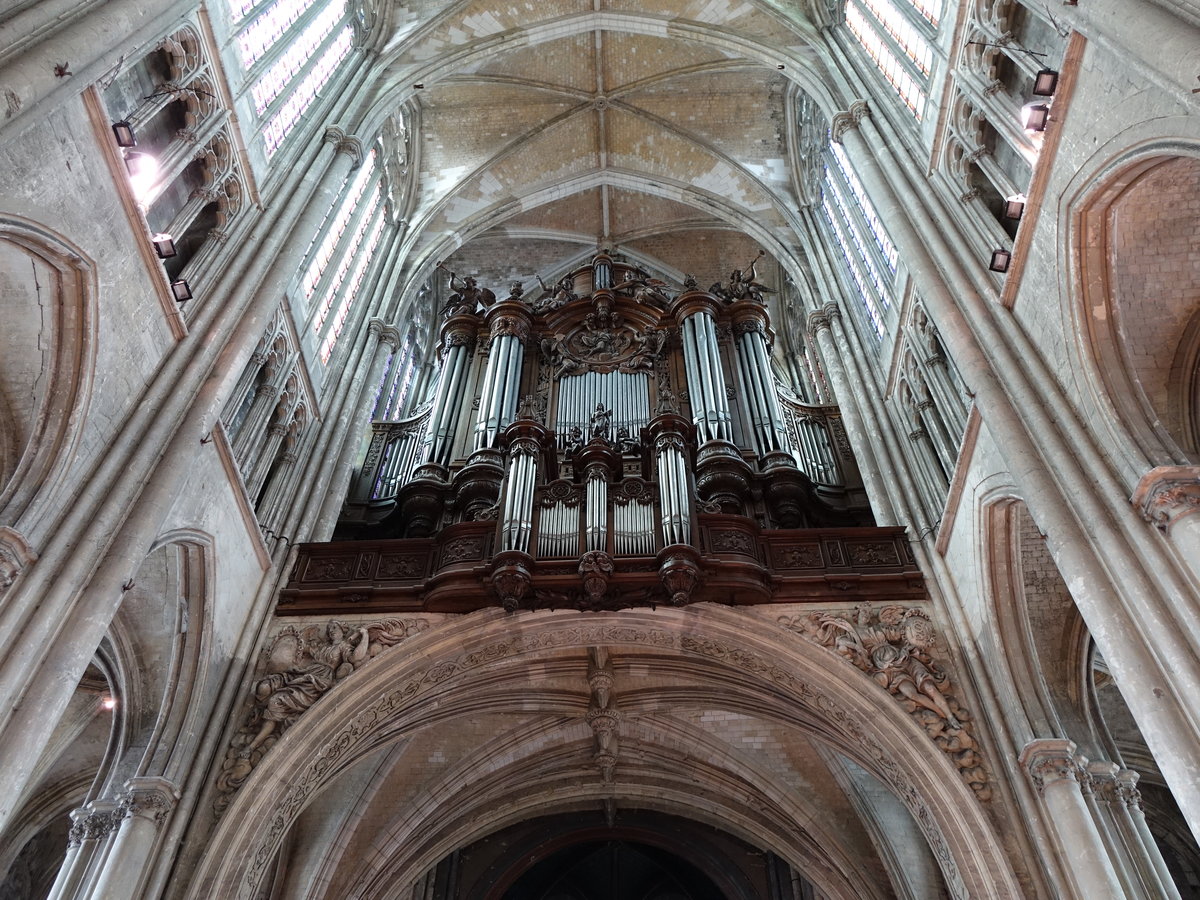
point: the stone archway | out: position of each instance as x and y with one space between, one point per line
440 674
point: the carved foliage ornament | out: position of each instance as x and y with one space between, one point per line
300 665
894 646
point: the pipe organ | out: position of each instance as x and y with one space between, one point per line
608 426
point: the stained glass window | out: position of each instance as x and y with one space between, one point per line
886 61
285 119
363 252
333 233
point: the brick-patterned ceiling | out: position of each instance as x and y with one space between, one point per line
545 128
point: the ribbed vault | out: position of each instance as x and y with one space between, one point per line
539 131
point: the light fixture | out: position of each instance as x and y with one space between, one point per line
1034 116
1000 260
1014 206
164 245
109 703
123 132
1045 82
181 290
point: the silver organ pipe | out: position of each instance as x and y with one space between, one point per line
706 382
446 404
501 385
625 394
517 514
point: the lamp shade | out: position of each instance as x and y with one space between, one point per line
1014 207
1045 82
164 246
1034 116
1000 260
123 132
181 290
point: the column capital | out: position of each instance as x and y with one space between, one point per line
848 120
1127 789
818 321
387 334
1166 494
345 143
149 797
1049 760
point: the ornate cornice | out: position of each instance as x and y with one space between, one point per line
387 334
1166 494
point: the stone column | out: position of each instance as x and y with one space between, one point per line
142 472
820 326
1057 773
101 823
1125 804
1125 584
79 853
146 804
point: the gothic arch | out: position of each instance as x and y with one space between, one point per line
1043 636
446 667
47 350
159 637
1130 307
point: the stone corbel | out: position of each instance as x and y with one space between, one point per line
1166 494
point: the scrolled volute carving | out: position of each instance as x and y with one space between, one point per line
301 665
894 645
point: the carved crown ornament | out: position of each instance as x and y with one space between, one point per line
894 645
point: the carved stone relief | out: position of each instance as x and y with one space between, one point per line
894 646
299 666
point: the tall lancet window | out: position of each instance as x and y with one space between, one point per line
289 49
896 35
868 252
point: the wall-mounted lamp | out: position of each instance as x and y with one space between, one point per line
143 171
181 291
109 703
1014 206
1045 83
1001 259
164 245
123 132
1034 116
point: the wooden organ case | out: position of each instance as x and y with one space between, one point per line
613 443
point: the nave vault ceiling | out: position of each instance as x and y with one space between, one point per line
542 130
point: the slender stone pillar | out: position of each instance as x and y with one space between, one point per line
39 671
146 804
79 852
821 327
1125 802
1057 773
1126 597
101 824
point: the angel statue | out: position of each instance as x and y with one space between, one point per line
467 295
743 284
